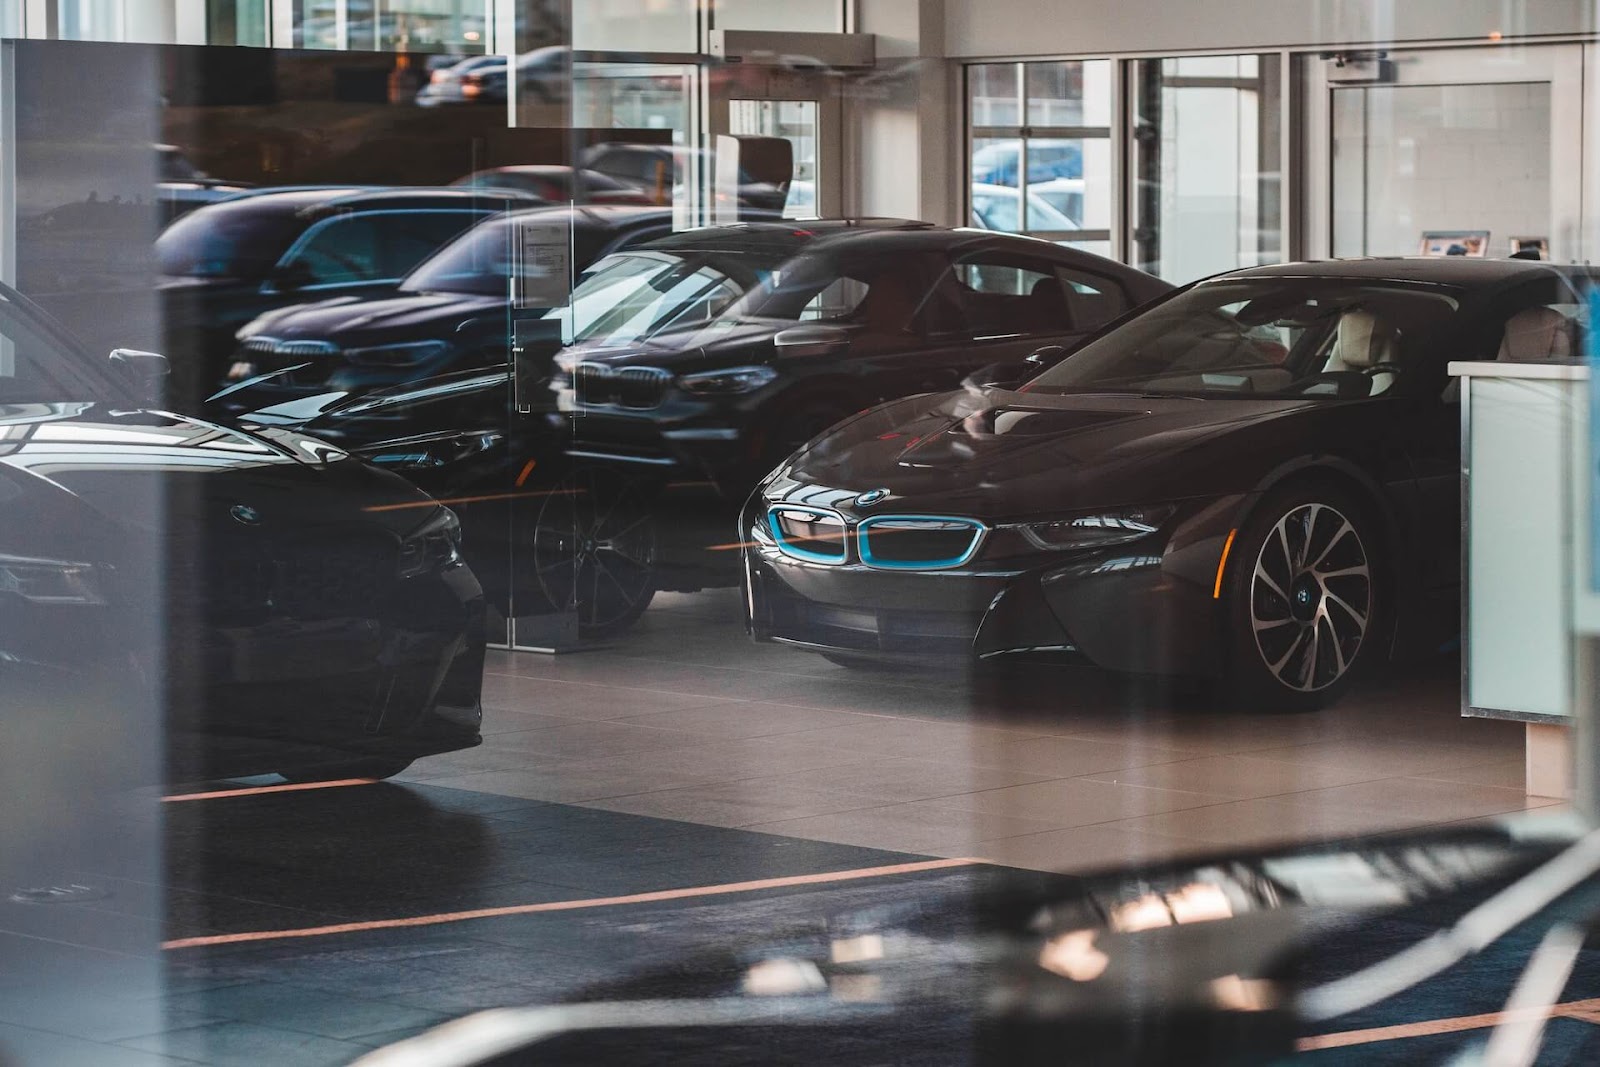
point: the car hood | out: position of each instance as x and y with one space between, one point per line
1225 959
994 453
723 343
350 320
153 471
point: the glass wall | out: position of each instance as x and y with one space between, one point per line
1207 157
1040 158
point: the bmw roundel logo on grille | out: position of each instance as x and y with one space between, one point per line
245 514
871 497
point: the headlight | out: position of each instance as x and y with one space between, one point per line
435 544
727 382
401 355
438 450
1114 526
50 581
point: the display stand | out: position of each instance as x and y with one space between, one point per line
1525 531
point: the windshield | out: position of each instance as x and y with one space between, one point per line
637 294
41 365
1270 337
236 241
479 262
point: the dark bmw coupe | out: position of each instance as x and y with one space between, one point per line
292 608
1253 481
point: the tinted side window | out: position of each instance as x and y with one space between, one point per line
1004 295
375 246
1092 299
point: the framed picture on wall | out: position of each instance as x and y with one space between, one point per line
1530 247
1474 243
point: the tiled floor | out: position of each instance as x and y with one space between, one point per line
684 758
1049 768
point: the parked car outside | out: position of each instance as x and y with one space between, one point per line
445 84
997 163
997 207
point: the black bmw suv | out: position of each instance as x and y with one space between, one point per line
860 313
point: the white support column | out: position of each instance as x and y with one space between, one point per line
189 22
901 134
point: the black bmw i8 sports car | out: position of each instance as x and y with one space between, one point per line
1254 480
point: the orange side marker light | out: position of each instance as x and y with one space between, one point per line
1222 565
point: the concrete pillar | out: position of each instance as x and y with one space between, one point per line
902 122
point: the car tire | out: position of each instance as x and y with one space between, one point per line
1304 600
376 769
594 551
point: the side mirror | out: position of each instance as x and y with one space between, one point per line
1042 359
286 277
1000 375
145 372
812 339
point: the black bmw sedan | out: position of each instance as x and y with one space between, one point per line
224 264
862 312
293 609
1253 481
453 312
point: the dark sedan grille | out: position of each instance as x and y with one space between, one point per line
629 387
244 579
918 542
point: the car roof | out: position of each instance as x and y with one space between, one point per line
1460 271
599 216
428 196
790 232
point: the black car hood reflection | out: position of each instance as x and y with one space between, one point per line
1205 961
723 343
144 469
995 453
352 321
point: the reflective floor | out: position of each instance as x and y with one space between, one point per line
632 802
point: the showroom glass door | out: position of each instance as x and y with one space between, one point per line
1451 151
800 107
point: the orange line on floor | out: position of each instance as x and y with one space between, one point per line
575 905
250 791
1575 1009
454 500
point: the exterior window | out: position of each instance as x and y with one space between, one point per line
1040 150
1207 152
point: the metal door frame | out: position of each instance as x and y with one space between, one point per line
777 83
1561 66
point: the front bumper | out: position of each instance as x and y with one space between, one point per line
683 436
275 693
1147 607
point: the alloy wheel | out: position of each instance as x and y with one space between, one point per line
1311 597
594 551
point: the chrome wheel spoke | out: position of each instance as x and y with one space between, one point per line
1312 572
1358 617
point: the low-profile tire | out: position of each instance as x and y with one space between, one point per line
1304 600
376 769
594 551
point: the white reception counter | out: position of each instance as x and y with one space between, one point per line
1525 536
